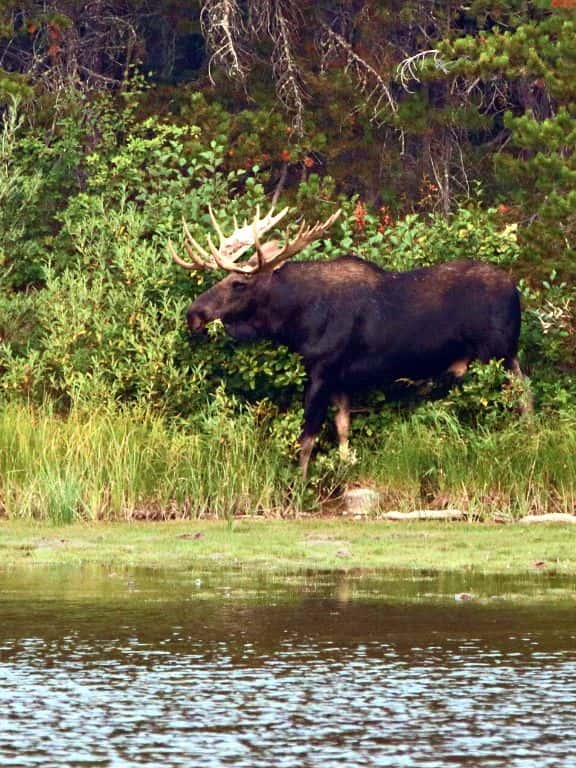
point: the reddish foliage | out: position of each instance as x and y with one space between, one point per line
386 219
360 216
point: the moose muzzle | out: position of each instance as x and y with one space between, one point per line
196 320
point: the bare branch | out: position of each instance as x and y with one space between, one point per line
288 81
373 86
223 27
92 47
260 18
280 185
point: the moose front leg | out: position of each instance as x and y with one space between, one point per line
316 400
306 446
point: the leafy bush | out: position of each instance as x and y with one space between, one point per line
92 309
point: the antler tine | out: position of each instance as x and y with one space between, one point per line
193 248
177 260
285 251
216 226
200 258
275 219
304 236
257 244
227 265
225 242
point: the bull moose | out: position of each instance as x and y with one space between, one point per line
355 326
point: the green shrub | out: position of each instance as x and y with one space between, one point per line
92 308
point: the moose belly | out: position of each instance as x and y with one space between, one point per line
372 370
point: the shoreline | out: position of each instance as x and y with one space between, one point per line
289 546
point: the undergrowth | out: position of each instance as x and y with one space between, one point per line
132 464
108 412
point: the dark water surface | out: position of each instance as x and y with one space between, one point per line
145 668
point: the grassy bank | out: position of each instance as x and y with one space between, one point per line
288 546
130 464
127 465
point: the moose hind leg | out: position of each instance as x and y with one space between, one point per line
513 367
458 368
342 420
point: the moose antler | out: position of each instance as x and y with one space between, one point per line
268 255
230 248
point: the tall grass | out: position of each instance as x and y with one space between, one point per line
527 467
125 464
122 465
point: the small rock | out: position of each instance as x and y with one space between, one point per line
343 553
360 501
463 597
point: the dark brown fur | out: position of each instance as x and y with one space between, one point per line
357 326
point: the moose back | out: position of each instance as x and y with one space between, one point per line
355 325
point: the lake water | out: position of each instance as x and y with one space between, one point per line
145 668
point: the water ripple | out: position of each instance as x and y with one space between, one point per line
250 684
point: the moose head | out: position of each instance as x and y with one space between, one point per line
240 300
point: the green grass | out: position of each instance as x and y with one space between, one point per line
527 467
118 465
293 545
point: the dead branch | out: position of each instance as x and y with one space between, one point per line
410 68
288 80
223 28
372 85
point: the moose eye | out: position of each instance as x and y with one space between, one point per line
238 286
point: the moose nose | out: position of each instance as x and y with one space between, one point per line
196 321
